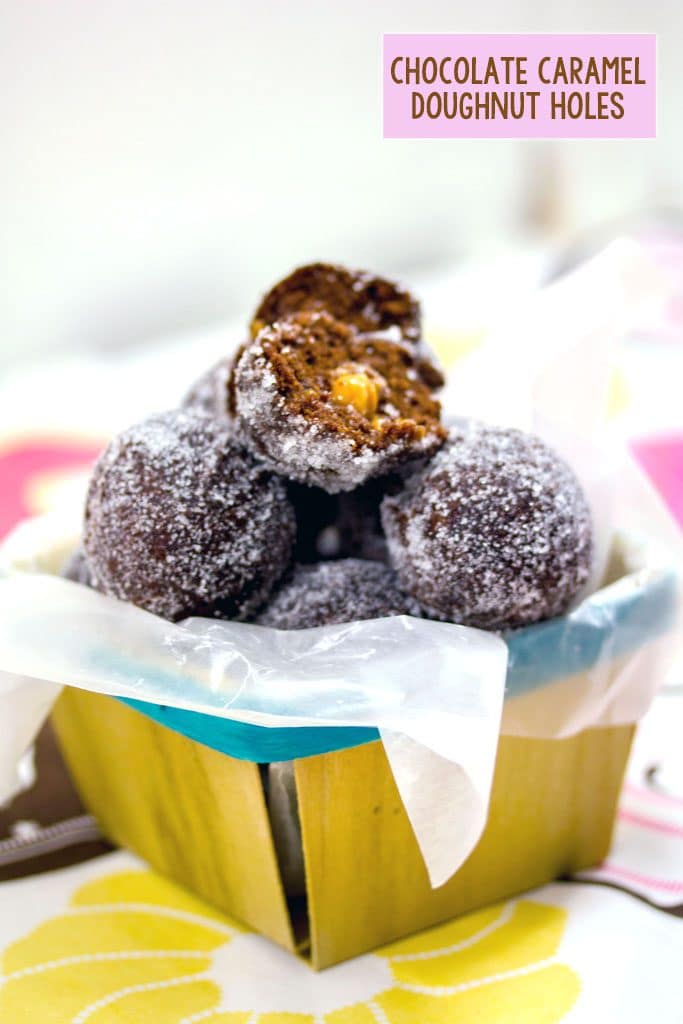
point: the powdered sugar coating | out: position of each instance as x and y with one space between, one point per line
180 520
300 447
209 393
495 532
327 593
372 304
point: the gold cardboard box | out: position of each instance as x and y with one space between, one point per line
201 817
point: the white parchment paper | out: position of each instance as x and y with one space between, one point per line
435 691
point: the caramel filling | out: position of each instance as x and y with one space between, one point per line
365 388
358 390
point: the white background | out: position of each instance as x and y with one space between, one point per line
163 160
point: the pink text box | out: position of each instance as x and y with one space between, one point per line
436 87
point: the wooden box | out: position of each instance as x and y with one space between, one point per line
159 783
200 817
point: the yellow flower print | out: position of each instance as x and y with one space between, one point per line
128 941
495 965
132 948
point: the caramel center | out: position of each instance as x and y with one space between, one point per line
358 390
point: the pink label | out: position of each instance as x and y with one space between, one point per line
520 86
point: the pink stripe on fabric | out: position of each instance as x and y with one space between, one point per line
655 795
645 880
650 823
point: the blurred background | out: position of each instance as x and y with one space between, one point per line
164 161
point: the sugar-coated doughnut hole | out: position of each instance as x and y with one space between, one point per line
329 593
181 520
494 532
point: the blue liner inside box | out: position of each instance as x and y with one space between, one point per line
538 655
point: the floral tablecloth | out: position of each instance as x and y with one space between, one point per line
89 934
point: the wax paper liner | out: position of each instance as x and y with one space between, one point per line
432 691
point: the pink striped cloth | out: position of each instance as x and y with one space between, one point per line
647 853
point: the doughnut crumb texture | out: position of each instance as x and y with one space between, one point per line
319 444
369 303
494 533
329 593
181 520
325 406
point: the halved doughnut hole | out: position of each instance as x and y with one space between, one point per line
310 354
370 304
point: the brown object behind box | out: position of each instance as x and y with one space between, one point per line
201 817
45 826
